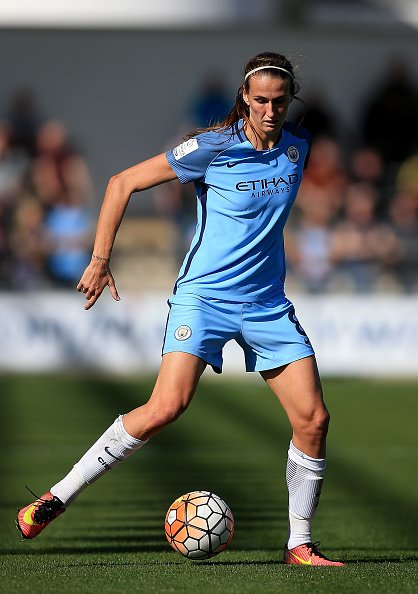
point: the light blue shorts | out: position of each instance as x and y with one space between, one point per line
268 331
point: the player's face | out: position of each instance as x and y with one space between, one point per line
268 98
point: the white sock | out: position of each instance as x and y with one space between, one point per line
114 446
304 476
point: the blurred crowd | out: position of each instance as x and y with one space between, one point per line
354 227
46 199
355 224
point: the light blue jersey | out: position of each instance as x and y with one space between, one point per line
244 199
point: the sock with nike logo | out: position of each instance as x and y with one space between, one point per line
304 476
114 446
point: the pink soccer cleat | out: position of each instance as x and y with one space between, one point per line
33 518
307 554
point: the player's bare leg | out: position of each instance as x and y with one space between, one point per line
176 384
298 388
174 389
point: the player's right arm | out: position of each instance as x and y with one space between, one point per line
141 177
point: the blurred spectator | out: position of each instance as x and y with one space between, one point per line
326 178
28 245
212 103
24 120
13 171
367 166
407 177
13 167
404 219
67 229
391 117
319 117
62 182
362 246
58 169
309 248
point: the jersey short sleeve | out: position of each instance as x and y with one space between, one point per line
191 159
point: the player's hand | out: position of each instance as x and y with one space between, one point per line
95 278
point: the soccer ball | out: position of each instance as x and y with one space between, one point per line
199 525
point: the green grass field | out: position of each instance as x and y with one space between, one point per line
233 440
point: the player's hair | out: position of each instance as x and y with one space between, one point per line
280 68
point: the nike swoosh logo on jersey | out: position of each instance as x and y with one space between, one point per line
27 516
249 160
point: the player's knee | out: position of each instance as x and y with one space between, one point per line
314 426
161 418
321 422
165 414
173 412
317 428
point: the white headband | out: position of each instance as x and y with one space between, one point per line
264 68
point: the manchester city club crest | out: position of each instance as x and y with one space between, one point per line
183 333
293 154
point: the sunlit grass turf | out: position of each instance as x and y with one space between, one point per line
233 440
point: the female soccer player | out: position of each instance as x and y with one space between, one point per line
247 171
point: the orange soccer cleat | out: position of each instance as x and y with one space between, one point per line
33 518
307 554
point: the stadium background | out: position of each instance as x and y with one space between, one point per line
85 93
121 81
